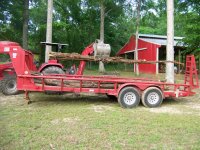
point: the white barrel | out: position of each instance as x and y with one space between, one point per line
101 49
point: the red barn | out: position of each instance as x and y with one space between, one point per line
150 48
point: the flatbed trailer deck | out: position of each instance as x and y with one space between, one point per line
96 83
128 91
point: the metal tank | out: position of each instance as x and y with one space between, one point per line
101 49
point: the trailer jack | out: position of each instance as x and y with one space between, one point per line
27 98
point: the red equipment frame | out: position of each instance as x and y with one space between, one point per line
25 69
8 68
87 51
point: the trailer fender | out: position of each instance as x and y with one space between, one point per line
140 87
48 65
155 86
128 84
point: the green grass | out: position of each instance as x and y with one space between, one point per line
96 122
92 122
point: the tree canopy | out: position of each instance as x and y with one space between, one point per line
77 22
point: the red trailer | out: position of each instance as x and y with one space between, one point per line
129 91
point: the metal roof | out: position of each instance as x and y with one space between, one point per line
160 39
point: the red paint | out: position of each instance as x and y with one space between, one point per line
87 51
6 68
52 62
148 54
22 61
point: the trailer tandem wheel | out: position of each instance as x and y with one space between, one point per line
129 97
152 97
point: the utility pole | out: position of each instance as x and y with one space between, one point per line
170 41
49 29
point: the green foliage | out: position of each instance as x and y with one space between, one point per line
190 16
77 22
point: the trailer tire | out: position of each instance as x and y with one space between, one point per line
9 85
52 70
129 97
152 97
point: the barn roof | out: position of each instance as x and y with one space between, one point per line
160 39
157 40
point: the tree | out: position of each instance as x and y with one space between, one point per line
190 16
11 20
170 41
137 35
101 64
49 28
25 24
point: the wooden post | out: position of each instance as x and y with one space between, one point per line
179 59
157 59
125 66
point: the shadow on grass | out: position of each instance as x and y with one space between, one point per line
42 99
68 99
169 101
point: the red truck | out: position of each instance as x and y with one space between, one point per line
129 91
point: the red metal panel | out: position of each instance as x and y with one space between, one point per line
22 61
148 54
8 68
26 82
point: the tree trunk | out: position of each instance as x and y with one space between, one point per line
102 21
137 35
170 41
101 64
49 29
25 24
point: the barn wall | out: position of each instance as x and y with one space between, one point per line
148 54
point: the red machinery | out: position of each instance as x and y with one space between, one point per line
8 83
129 91
8 75
7 67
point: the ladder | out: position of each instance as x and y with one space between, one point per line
191 77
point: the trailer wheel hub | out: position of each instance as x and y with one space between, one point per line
153 98
129 98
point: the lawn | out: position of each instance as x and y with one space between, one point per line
96 122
